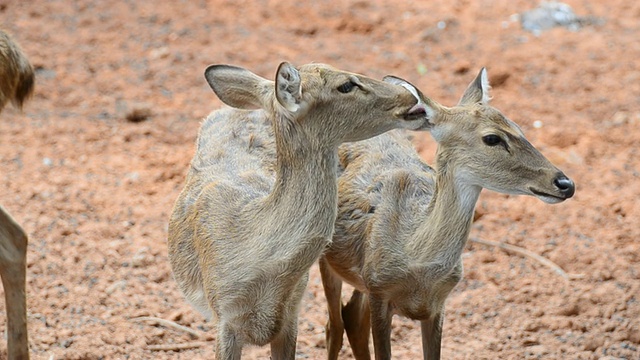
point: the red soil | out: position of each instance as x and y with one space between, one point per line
93 165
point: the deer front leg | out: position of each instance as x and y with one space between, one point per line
357 323
13 269
431 336
283 347
13 280
381 314
228 343
333 292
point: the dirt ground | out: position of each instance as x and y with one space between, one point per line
93 165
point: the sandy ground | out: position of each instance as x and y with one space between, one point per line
94 189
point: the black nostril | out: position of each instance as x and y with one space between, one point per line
565 185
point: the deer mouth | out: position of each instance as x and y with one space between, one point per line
417 112
546 197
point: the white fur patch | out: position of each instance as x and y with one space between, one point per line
486 87
412 90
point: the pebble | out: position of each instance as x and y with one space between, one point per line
592 342
537 350
141 258
118 285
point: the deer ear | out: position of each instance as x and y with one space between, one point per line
422 100
288 87
478 90
405 84
237 87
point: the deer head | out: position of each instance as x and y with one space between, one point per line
486 149
321 100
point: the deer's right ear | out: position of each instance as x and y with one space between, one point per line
236 87
478 90
289 87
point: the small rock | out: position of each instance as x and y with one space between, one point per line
139 113
159 53
176 315
118 285
133 111
537 312
487 257
66 343
47 339
537 350
569 310
592 342
140 313
531 341
548 15
141 258
634 336
532 326
319 341
500 78
462 67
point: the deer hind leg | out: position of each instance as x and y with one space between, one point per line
13 269
431 336
357 323
381 314
333 292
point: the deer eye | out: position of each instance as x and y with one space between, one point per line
347 87
492 140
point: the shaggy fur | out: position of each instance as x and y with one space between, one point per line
259 203
402 226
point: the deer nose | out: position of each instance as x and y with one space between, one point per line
565 185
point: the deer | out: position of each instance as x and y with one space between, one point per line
260 197
402 225
16 86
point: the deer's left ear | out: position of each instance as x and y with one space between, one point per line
478 90
289 87
423 101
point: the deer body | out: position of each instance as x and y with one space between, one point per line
16 85
402 226
259 203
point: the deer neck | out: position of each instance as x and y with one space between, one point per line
442 237
305 189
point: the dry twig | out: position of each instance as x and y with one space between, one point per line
194 333
176 347
526 253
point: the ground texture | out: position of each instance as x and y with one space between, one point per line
93 165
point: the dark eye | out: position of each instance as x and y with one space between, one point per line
492 140
346 87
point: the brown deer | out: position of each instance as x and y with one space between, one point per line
16 85
260 199
402 226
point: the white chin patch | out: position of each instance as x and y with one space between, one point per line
549 199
